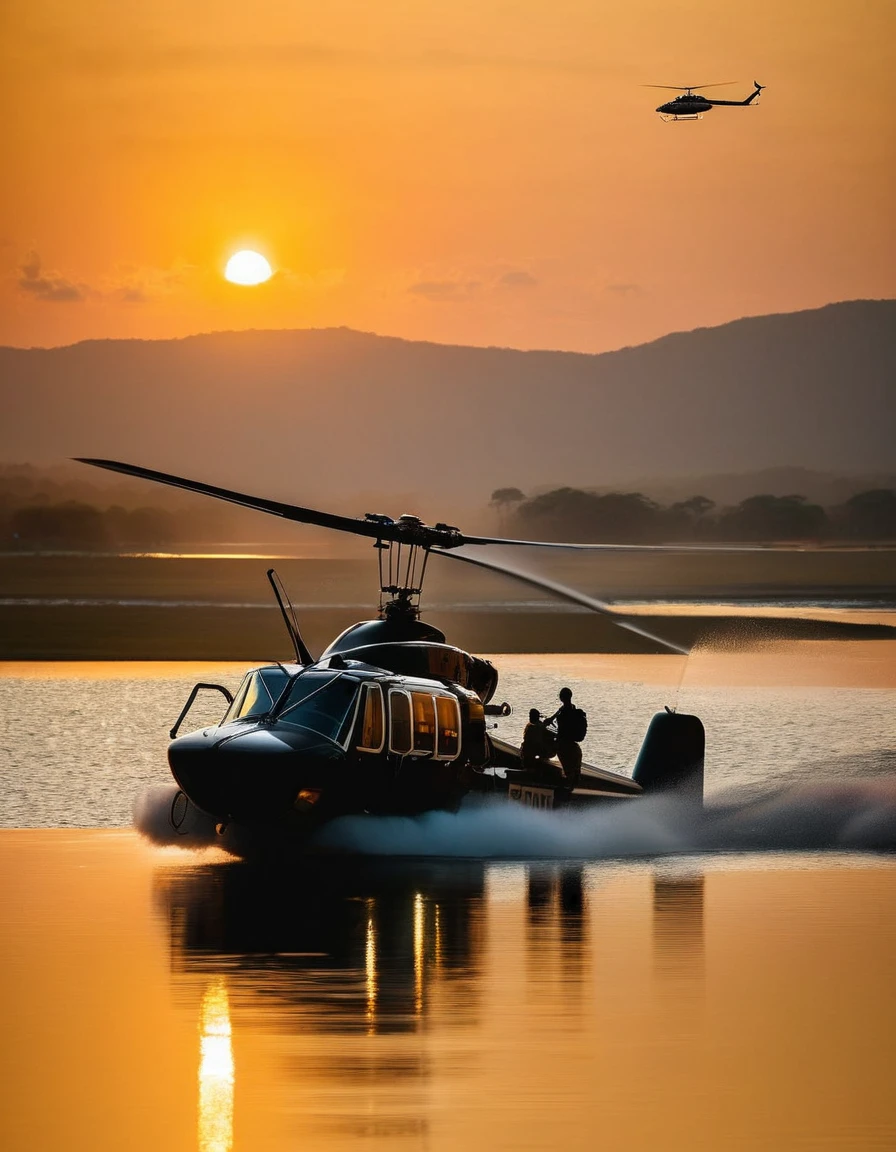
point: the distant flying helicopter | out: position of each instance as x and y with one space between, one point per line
692 104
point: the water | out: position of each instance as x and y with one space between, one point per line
154 998
619 980
80 745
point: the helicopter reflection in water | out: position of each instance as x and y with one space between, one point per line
368 958
385 981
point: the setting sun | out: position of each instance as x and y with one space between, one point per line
247 267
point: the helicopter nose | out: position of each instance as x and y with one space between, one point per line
253 775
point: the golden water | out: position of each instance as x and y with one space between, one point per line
152 999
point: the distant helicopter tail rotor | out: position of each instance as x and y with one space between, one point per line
754 95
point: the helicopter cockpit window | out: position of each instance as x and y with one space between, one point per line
400 723
448 726
424 722
257 694
323 702
372 720
262 691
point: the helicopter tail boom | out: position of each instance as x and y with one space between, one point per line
741 103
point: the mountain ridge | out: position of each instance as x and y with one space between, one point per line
315 414
362 332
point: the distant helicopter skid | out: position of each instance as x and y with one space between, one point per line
693 105
667 119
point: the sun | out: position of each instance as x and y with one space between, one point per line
247 267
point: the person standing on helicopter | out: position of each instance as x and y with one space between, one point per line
571 724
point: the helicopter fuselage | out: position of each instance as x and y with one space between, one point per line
302 745
685 107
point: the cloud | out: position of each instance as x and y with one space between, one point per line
517 279
127 58
139 285
129 284
445 291
457 285
322 280
625 289
50 287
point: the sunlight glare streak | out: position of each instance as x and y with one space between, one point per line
370 964
216 1072
418 953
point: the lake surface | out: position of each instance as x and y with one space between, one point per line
520 980
81 743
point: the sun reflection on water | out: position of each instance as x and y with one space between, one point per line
418 953
215 1071
370 965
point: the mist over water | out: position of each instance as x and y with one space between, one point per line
825 816
801 754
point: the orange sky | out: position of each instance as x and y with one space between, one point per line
477 171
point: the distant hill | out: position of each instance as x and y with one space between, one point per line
332 415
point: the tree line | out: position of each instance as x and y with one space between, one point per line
562 514
633 518
77 526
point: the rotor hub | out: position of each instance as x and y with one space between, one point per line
411 530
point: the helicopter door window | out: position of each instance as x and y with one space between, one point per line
399 722
448 727
372 720
424 723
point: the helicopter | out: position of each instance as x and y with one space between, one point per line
692 104
390 719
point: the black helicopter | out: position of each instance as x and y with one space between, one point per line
390 719
692 104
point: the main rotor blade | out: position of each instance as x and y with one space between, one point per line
835 629
564 593
273 507
690 87
624 547
381 528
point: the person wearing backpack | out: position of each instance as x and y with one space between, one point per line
571 724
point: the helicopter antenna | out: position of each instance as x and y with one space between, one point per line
303 656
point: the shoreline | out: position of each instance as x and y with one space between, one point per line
168 632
